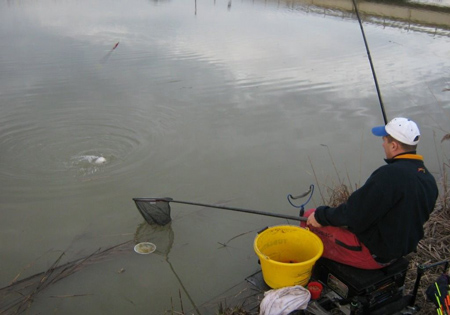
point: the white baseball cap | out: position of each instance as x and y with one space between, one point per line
401 129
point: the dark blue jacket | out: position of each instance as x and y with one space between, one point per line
388 212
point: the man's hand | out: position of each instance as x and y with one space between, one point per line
312 221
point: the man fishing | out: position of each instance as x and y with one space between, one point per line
383 220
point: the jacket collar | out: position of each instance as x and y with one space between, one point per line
405 156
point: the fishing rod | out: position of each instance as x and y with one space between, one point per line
371 64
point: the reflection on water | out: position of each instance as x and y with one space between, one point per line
163 237
200 101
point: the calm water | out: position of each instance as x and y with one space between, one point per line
231 102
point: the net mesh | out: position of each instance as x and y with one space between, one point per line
154 211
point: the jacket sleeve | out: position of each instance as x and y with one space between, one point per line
365 207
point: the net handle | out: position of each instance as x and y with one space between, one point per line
269 214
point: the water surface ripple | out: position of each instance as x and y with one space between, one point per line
231 102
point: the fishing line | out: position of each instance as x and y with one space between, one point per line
371 64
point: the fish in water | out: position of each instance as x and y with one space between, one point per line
100 160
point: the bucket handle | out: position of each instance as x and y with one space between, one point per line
259 232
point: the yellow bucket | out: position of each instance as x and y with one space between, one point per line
287 255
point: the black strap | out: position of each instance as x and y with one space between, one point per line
353 248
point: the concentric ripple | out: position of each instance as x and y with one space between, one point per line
69 142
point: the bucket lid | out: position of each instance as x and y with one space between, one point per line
145 248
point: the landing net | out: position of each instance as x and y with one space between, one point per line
154 211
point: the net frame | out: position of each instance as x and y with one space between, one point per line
154 210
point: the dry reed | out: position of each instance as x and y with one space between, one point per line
435 246
17 297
